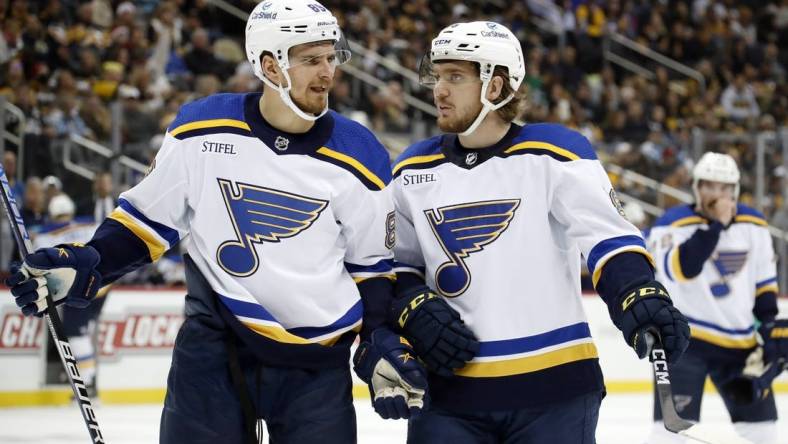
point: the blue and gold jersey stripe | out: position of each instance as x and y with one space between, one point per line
741 338
750 219
419 162
766 286
259 320
211 126
545 148
531 353
364 174
691 220
673 266
722 341
529 364
608 248
157 237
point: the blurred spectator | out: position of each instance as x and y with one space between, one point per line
738 100
201 59
102 202
52 187
65 119
33 204
9 165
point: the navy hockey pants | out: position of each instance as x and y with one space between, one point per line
687 378
299 406
569 422
76 321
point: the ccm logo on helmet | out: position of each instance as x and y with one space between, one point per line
442 42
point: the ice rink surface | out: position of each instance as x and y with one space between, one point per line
624 419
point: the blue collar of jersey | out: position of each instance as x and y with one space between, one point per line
281 142
470 157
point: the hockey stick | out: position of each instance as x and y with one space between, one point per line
673 422
51 317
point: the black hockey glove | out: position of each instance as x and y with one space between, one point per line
755 382
775 340
397 381
436 330
67 272
649 307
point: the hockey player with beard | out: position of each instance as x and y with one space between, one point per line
288 223
716 258
492 220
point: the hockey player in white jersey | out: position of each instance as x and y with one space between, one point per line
79 324
716 259
492 220
288 223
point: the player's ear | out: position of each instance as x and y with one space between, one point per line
494 88
271 69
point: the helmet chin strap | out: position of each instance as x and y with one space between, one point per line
487 106
284 94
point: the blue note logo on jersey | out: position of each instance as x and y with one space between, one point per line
728 264
260 215
464 229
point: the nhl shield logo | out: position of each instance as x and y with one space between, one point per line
281 143
471 158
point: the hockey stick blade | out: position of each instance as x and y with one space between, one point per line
673 422
50 316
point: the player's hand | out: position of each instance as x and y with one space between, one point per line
775 340
722 209
67 272
397 381
436 330
649 307
755 382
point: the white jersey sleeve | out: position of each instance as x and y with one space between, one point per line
765 263
369 233
156 209
407 251
584 202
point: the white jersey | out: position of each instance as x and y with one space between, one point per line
499 233
79 231
719 301
280 225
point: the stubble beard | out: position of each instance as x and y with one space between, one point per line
459 124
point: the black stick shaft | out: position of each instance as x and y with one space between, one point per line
51 317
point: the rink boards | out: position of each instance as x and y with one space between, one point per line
138 329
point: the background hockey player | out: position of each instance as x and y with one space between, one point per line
716 259
79 324
288 221
492 219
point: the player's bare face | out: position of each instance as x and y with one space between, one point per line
312 74
717 200
710 192
456 94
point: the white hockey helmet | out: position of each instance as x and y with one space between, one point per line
716 167
489 44
275 26
61 205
